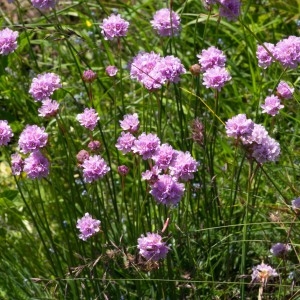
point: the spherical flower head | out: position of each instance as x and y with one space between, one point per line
94 168
87 226
183 166
239 126
211 57
43 86
166 22
146 145
287 52
89 76
264 57
280 249
164 156
152 247
269 150
258 135
17 164
94 145
123 170
81 156
88 118
8 41
216 78
43 4
151 175
111 71
166 190
272 105
230 9
49 108
125 142
171 68
261 273
36 165
284 91
5 133
296 205
32 138
130 123
114 26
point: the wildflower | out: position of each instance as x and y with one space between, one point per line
171 68
272 105
87 226
211 57
123 170
152 247
163 156
216 78
146 145
111 71
195 69
280 250
261 273
8 41
36 165
81 156
197 131
125 142
166 190
49 108
32 138
94 145
264 57
43 4
151 175
5 133
258 135
296 205
230 9
166 22
130 123
94 168
43 86
89 76
239 126
284 91
17 164
269 150
114 26
88 118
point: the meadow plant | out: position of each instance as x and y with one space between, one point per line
114 26
8 41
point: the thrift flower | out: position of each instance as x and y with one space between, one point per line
130 123
87 226
272 105
88 118
36 165
94 145
261 273
152 247
49 108
163 156
211 57
81 156
125 142
264 57
239 126
171 68
151 175
123 170
89 76
146 145
8 41
284 91
94 168
296 205
17 164
166 22
195 69
258 135
43 4
230 9
111 71
114 26
5 133
269 150
216 78
280 250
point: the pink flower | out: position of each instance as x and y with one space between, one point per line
216 78
94 168
89 76
8 41
211 57
87 226
264 57
261 273
146 145
114 26
239 126
88 118
125 142
230 9
5 133
36 165
130 123
43 4
164 156
272 105
17 164
111 71
284 90
49 108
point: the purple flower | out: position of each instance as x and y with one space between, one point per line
280 250
258 135
239 126
284 90
89 76
272 105
211 57
146 145
94 145
130 123
152 247
5 133
216 78
114 26
36 165
88 118
17 164
87 226
43 86
166 22
261 273
43 4
183 166
287 52
111 71
296 205
81 156
32 138
123 170
125 142
264 57
230 9
8 41
94 168
171 68
49 108
164 156
151 175
166 190
269 150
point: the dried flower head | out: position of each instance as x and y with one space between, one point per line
197 131
17 164
81 156
195 69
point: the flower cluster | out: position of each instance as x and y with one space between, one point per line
5 133
87 226
254 138
43 4
272 105
284 91
111 71
36 165
153 71
280 249
88 118
261 273
94 168
17 164
89 76
114 26
8 41
49 108
229 9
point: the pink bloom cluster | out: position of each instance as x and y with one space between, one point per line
153 71
87 226
36 165
111 71
94 167
89 76
272 105
230 9
284 91
114 26
280 249
17 164
5 133
88 118
261 273
43 4
8 41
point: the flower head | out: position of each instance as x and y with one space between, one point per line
36 165
88 118
94 145
152 247
146 145
49 108
296 205
284 91
43 4
114 26
81 156
123 170
43 86
216 77
130 123
87 226
170 68
197 128
272 105
8 41
211 57
261 273
89 76
239 126
264 57
163 156
5 133
111 71
280 249
269 150
94 168
166 22
125 142
17 164
230 9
